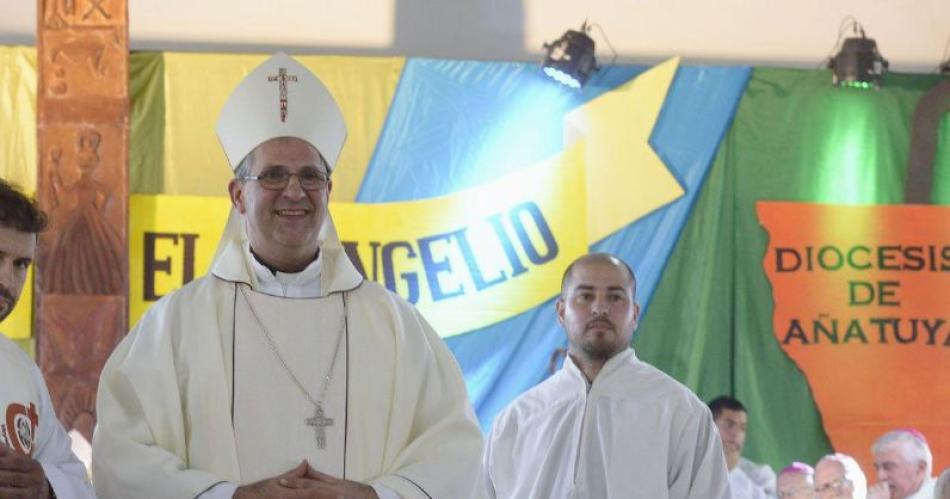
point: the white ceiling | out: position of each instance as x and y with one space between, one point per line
912 34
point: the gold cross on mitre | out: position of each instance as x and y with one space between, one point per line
282 78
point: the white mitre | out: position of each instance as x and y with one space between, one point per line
279 98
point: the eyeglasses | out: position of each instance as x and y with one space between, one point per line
789 494
277 179
833 486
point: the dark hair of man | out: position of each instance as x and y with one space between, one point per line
601 258
18 211
718 404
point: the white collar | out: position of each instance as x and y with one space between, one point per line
574 371
303 284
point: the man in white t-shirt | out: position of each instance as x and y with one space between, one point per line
35 456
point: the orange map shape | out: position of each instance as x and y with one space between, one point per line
862 306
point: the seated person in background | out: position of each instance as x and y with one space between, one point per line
942 488
796 481
838 476
904 463
747 479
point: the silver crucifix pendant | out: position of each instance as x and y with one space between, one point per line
320 423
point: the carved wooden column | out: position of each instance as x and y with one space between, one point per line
81 283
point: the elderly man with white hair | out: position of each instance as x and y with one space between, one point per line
904 463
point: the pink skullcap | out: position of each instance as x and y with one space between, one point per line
798 467
916 433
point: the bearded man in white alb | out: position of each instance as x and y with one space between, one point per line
283 373
607 425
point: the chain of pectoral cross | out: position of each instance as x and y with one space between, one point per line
319 421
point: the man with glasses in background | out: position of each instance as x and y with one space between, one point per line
838 476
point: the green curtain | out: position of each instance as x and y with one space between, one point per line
796 138
146 123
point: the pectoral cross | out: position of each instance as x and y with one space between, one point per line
320 423
282 78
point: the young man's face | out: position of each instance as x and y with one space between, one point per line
732 428
597 309
16 255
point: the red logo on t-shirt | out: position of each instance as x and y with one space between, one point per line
21 423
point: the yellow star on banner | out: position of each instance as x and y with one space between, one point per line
625 177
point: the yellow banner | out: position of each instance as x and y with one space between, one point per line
466 260
18 152
469 259
197 85
18 116
472 258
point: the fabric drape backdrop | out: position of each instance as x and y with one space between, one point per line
795 138
421 128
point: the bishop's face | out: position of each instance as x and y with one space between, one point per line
283 225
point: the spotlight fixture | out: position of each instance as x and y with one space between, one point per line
570 59
858 64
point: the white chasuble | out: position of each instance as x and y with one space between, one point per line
276 425
170 393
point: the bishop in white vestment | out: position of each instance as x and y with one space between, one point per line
283 353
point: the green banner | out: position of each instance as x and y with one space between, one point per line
795 138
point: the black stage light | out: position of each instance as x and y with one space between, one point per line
570 59
858 64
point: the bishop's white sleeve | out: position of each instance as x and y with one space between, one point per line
441 458
698 467
384 492
65 473
223 490
129 459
